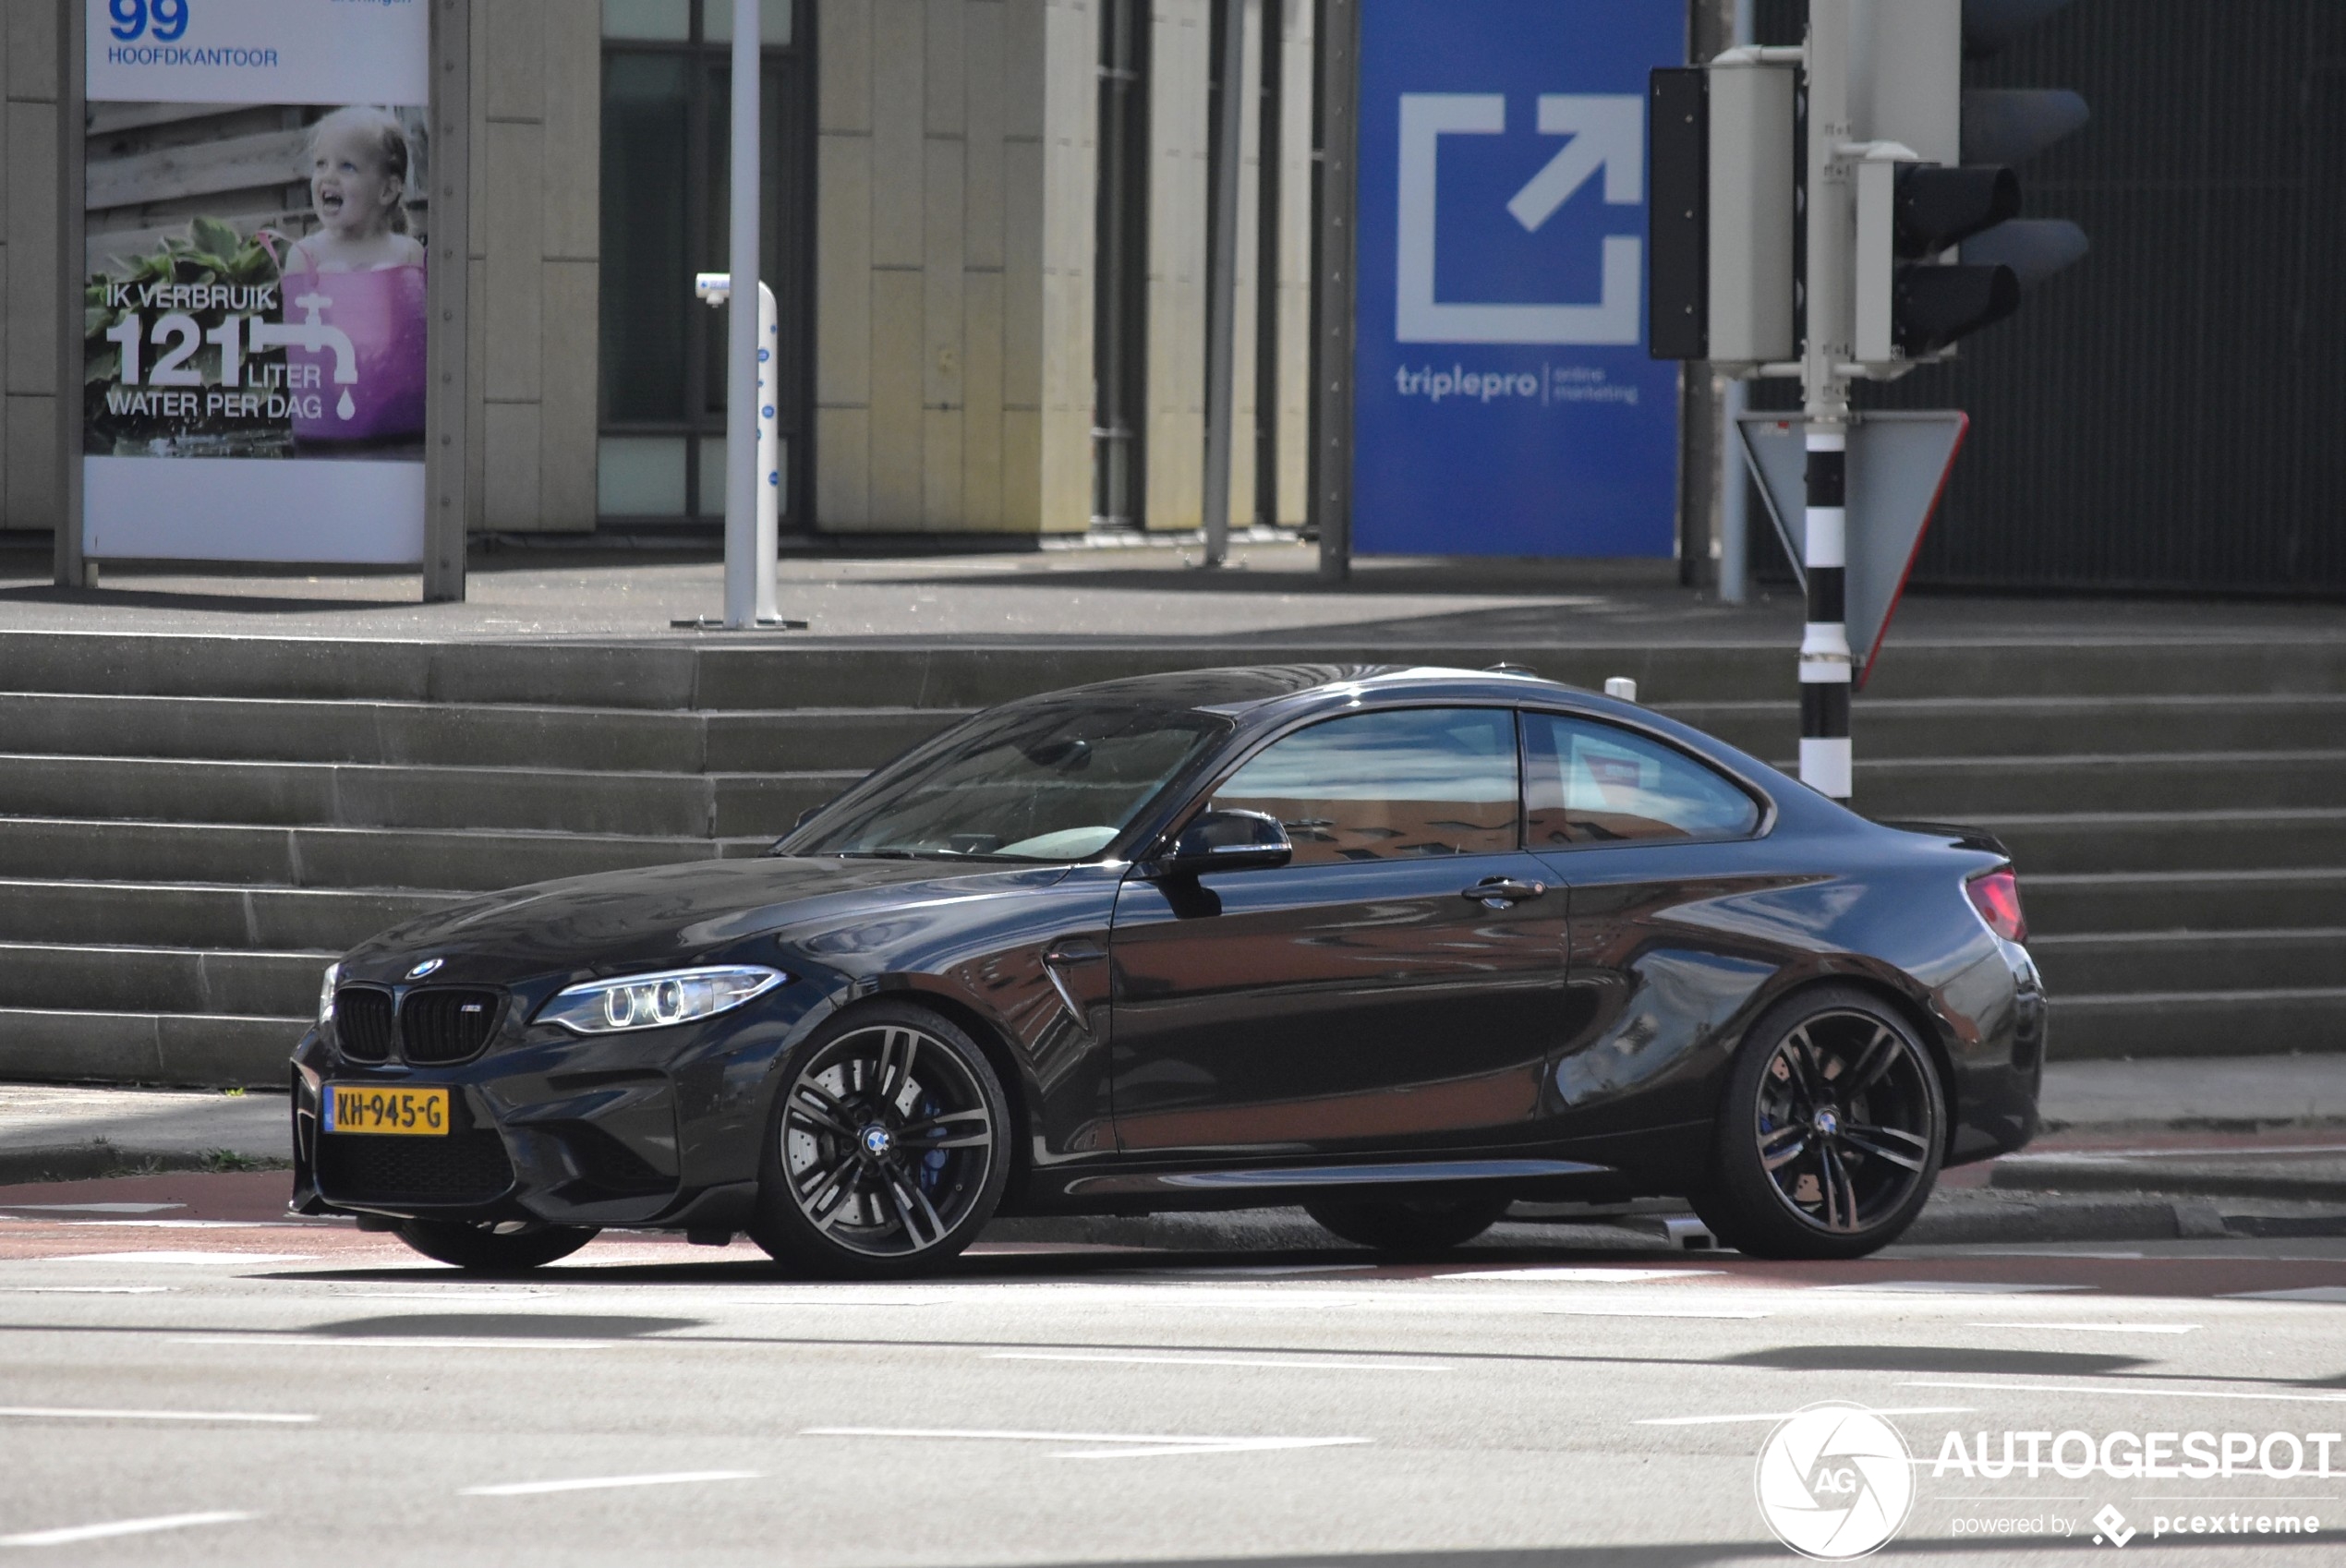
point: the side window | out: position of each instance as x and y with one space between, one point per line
1382 786
1591 783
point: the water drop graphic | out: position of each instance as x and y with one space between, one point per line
345 407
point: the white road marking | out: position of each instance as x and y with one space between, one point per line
596 1483
1582 1275
2132 1388
1263 1269
73 1533
2098 1328
1220 1361
1787 1415
1129 1445
1947 1287
90 1208
195 1259
2308 1293
2046 1251
87 1289
45 1411
2235 1152
393 1342
1728 1312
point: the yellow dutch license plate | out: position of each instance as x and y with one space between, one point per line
412 1112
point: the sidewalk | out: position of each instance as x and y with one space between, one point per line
2133 1150
1269 592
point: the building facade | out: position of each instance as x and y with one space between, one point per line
932 225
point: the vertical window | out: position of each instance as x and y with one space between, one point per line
1591 783
667 107
1400 783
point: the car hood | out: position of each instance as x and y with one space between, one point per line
623 920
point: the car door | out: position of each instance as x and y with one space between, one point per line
1397 984
1671 933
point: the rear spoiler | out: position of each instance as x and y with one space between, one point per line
1969 838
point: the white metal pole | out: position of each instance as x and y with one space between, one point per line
1734 482
769 449
1825 663
742 566
1221 352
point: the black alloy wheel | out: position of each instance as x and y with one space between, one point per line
1832 1133
887 1148
1412 1226
495 1246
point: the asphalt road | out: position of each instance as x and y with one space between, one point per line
220 1388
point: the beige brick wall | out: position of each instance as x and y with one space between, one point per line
537 175
954 178
28 154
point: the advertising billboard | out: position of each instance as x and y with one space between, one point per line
255 211
1503 402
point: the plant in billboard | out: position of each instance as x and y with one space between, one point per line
168 367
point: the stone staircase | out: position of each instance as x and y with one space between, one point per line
192 828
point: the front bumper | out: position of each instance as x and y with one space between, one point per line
660 1128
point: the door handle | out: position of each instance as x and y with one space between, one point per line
1498 892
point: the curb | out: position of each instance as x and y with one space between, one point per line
89 1162
2089 1175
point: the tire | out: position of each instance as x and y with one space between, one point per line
886 1150
490 1248
1831 1133
1410 1225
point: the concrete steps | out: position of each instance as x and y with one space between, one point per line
192 827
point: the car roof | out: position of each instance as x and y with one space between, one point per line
1238 689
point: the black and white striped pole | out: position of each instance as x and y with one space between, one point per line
1824 641
1832 216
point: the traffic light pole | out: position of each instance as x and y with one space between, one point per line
1825 664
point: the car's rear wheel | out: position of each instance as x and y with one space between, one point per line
1407 1224
1831 1131
495 1247
886 1150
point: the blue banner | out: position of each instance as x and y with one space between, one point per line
1504 403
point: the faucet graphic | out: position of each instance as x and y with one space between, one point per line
313 335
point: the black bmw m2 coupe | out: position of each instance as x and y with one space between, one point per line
1403 945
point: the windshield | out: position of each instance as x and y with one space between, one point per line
1030 782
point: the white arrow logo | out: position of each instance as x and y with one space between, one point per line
1607 131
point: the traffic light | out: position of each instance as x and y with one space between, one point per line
1942 250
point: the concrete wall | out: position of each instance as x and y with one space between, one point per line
954 179
1179 45
1297 90
537 178
28 154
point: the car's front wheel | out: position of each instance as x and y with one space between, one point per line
491 1247
1831 1134
886 1150
1414 1225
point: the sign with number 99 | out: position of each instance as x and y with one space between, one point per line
132 19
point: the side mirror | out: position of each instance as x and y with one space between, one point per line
1227 840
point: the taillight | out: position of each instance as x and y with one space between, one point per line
1996 894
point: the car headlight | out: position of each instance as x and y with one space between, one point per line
326 994
655 1001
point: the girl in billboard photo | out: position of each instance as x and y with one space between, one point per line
353 299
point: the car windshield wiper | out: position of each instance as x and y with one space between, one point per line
877 855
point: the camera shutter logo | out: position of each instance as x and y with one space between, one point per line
1835 1481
